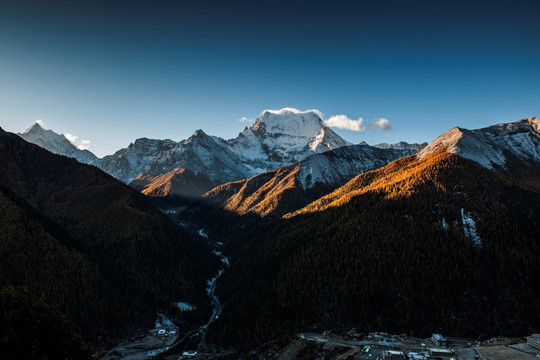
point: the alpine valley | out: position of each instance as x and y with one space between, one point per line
238 245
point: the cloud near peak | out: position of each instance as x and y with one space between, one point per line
73 139
336 121
381 124
344 122
292 110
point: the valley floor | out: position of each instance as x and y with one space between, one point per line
382 346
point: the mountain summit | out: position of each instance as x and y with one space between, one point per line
492 146
56 143
281 137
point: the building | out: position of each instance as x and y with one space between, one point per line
441 352
534 341
439 340
384 345
393 355
416 356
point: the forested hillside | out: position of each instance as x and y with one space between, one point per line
419 246
93 247
31 329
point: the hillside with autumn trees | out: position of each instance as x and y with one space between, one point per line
440 244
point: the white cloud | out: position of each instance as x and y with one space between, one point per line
381 124
344 122
245 119
40 123
294 111
72 138
82 145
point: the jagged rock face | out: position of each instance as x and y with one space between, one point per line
492 146
200 154
55 143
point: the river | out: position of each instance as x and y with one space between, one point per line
147 347
211 291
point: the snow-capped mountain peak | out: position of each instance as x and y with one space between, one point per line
493 145
56 143
280 137
34 128
291 122
326 139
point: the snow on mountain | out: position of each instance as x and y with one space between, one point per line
200 154
492 146
338 166
56 143
402 145
290 187
277 138
127 163
281 137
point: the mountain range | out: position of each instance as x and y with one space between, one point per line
431 242
320 233
194 166
275 139
293 186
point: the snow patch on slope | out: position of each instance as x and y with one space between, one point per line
184 306
340 165
469 228
203 233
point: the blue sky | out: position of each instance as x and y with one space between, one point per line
113 71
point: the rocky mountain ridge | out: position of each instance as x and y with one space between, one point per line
492 146
293 186
277 138
56 143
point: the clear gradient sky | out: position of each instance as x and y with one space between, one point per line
113 71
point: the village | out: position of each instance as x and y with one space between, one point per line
383 346
146 346
350 346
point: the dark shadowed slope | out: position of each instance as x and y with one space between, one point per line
94 247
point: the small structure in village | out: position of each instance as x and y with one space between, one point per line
440 352
534 341
393 355
439 340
